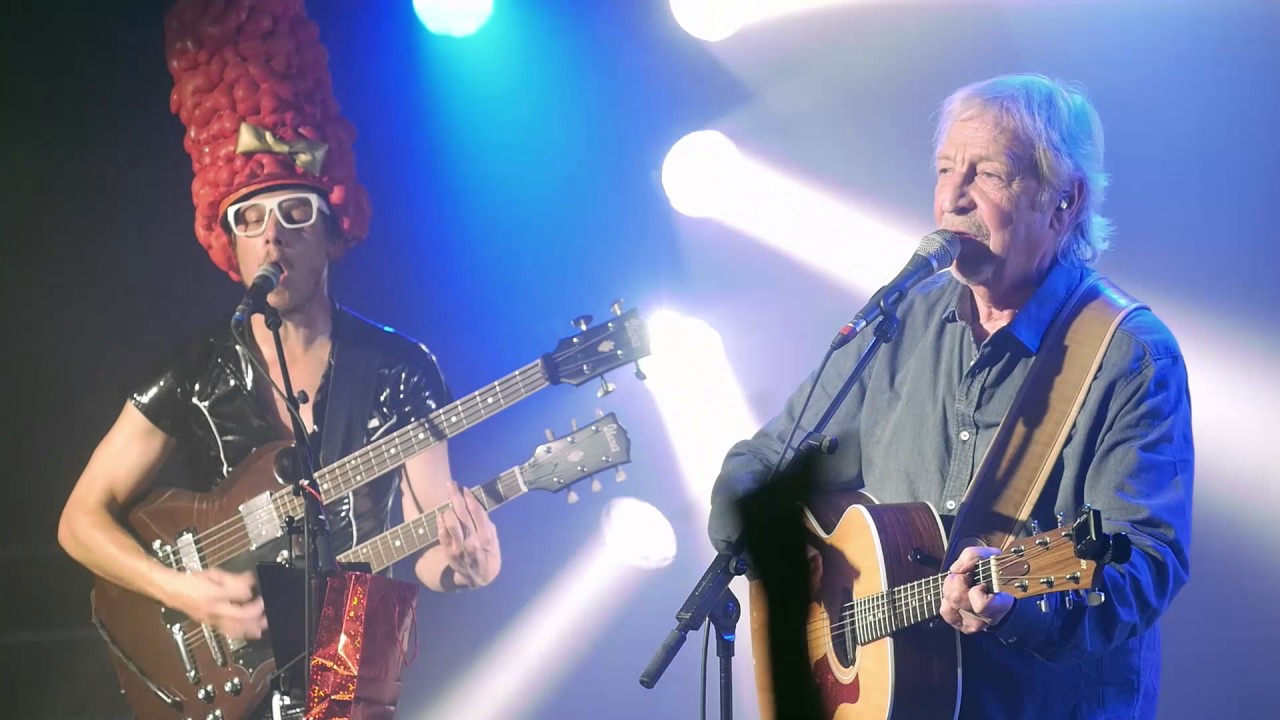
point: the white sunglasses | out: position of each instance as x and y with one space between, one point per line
295 210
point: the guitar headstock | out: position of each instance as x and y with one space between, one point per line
1060 560
597 349
560 462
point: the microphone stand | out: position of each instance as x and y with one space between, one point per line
711 596
320 560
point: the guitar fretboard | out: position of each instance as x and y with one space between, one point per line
884 613
390 452
424 531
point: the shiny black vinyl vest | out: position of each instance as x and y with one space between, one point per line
205 397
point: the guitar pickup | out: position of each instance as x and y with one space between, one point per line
261 521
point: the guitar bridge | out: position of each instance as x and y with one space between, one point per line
180 640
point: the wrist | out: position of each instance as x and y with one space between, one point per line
1004 620
165 582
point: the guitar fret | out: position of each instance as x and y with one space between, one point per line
375 553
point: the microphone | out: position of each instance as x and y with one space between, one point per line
936 252
256 296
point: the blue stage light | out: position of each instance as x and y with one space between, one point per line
458 18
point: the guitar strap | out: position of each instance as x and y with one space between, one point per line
1025 449
351 390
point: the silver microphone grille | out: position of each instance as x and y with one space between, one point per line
941 248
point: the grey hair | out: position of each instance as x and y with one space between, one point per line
1065 132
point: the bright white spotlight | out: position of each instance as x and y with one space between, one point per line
710 20
698 173
689 375
704 412
715 20
711 178
545 642
457 18
638 534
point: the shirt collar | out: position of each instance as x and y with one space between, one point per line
1033 320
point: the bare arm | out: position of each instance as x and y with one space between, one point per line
121 467
468 554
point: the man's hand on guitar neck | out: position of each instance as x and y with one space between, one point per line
966 607
225 601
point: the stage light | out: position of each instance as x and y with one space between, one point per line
715 20
638 534
705 175
698 173
710 20
688 375
457 18
551 634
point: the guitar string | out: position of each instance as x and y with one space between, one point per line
507 482
231 532
366 456
870 611
866 612
880 602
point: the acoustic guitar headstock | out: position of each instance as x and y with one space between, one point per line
1060 560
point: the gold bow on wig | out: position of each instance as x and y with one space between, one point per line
307 154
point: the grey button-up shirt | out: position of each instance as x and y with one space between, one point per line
915 428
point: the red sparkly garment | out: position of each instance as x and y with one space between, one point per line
363 641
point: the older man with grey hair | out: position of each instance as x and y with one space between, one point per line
1020 181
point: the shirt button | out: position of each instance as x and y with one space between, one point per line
951 504
964 435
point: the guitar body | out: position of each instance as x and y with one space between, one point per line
859 548
156 680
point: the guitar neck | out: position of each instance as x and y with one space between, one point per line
881 614
390 452
423 532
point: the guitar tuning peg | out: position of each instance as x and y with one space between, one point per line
1062 518
1043 604
573 497
1035 527
1094 598
606 387
618 475
1069 599
599 414
582 322
595 484
640 373
573 423
550 435
616 307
